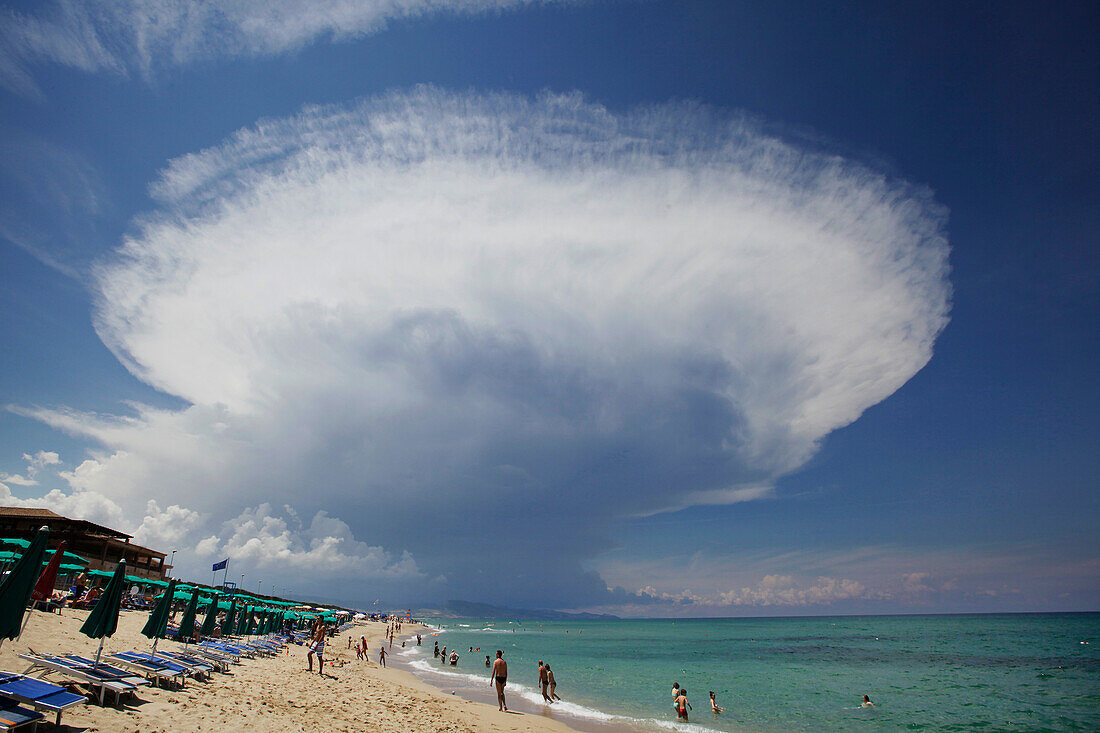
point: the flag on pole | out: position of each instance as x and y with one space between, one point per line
220 565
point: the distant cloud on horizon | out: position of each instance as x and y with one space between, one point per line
452 322
147 37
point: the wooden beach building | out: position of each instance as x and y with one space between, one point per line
102 546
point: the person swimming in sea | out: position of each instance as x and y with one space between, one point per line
867 702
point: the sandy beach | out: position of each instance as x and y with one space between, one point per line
268 694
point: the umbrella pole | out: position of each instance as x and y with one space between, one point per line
101 640
26 620
154 654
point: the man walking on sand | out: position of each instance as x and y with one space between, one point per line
499 676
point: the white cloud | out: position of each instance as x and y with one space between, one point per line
166 528
145 36
784 590
497 309
35 463
858 579
41 459
88 505
327 547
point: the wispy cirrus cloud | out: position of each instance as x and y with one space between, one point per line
146 37
465 321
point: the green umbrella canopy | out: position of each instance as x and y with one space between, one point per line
103 620
15 541
211 621
242 624
100 573
158 583
69 568
16 589
187 623
227 624
157 625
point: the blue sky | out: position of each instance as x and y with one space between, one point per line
652 308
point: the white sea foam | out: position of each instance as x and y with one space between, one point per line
534 696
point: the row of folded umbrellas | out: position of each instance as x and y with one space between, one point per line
25 583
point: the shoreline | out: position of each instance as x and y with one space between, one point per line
484 694
269 694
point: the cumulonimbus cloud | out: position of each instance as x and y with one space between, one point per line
457 319
148 36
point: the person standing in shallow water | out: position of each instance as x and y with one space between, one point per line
544 682
553 683
682 705
498 676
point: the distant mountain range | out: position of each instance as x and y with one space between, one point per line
469 609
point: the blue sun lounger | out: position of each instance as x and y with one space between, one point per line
12 716
196 661
102 677
39 694
188 669
157 671
230 648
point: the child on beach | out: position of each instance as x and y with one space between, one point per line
382 656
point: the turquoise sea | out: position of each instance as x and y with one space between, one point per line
1013 672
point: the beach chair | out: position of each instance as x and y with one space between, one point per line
99 677
232 648
157 671
191 669
195 661
12 716
215 654
39 694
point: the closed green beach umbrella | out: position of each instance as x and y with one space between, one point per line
16 589
242 624
157 625
103 620
227 624
251 624
211 621
187 623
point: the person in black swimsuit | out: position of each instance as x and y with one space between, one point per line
499 676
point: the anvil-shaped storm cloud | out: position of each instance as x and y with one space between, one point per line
473 330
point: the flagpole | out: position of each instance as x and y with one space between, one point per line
226 575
